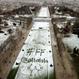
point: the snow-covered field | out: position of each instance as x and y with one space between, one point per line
35 57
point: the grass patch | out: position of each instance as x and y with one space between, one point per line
12 73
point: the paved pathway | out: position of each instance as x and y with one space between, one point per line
35 58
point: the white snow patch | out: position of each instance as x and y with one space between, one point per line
44 12
3 38
72 41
